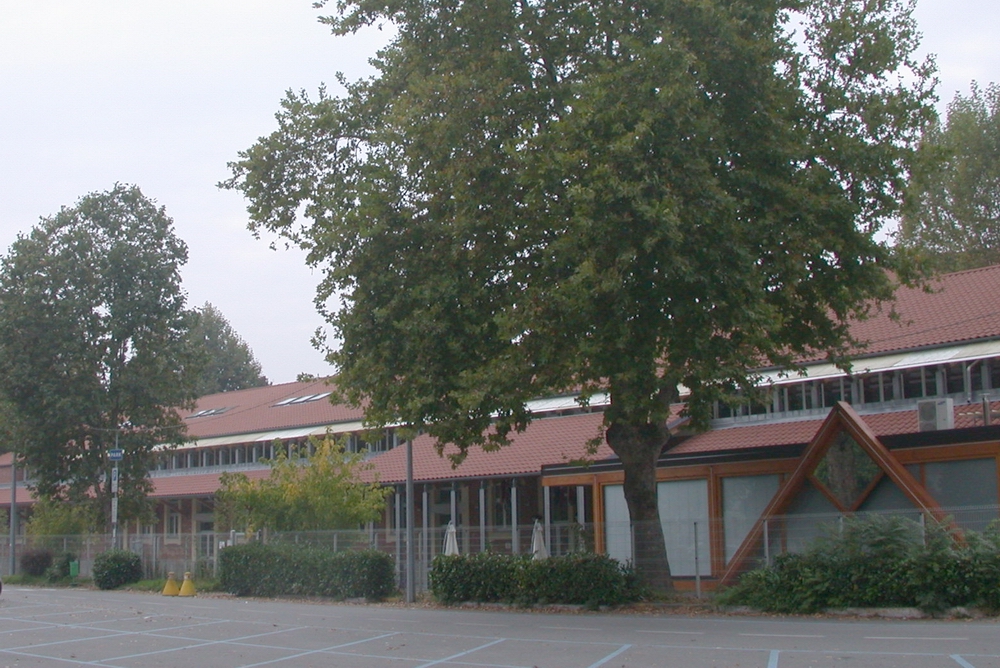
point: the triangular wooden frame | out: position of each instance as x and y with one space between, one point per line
842 418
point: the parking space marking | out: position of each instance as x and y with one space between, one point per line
609 656
772 659
962 662
569 628
912 638
321 651
448 659
780 635
683 633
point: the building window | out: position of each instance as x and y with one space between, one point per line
174 524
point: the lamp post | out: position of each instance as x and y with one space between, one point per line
13 511
115 455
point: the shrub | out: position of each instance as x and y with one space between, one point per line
485 577
60 569
280 569
583 579
879 561
35 562
115 568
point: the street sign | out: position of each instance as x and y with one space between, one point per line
114 510
114 480
115 454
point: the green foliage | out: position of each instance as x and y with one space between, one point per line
317 491
93 337
35 562
229 362
280 569
953 201
538 197
879 562
61 567
115 568
52 518
581 579
486 577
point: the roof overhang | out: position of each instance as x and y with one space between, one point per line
895 362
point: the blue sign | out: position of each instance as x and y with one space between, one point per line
115 454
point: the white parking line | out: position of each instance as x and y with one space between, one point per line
962 662
500 626
569 628
779 635
609 656
685 633
911 638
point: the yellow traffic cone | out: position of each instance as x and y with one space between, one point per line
171 588
187 587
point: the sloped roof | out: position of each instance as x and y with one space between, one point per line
195 484
556 440
955 308
255 410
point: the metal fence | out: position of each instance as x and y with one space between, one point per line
696 549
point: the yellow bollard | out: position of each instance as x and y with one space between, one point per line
187 587
171 588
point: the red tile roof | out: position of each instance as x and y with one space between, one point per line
194 484
956 308
254 410
556 440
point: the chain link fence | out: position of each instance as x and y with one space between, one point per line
696 550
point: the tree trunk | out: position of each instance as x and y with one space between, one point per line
638 447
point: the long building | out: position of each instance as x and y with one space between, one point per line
914 427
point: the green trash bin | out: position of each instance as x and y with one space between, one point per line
74 569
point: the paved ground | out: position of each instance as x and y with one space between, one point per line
47 627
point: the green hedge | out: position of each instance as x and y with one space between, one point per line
284 569
115 568
582 579
879 562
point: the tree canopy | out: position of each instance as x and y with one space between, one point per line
229 363
93 347
308 491
539 196
953 202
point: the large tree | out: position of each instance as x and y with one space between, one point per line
538 196
953 202
93 347
229 363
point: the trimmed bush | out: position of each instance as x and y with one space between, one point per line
282 569
115 568
581 579
484 577
35 562
879 562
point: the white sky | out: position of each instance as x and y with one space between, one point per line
163 93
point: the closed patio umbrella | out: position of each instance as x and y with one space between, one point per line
451 540
538 549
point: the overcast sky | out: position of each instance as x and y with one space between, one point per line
163 93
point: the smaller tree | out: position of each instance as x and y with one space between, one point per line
229 363
313 492
53 518
952 210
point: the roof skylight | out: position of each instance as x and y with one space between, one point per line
305 399
209 411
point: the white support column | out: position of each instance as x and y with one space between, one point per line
425 519
547 515
482 516
581 501
515 547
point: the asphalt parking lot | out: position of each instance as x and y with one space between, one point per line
67 627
